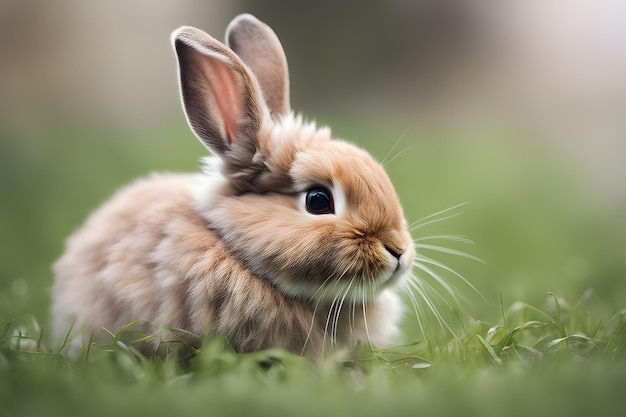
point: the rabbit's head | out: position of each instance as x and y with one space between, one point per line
316 217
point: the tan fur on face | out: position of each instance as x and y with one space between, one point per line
234 252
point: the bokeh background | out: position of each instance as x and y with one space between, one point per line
516 107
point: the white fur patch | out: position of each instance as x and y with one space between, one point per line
204 187
383 326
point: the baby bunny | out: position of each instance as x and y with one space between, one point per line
289 239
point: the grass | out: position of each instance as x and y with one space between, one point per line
556 360
548 340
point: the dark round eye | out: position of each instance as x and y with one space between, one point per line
319 200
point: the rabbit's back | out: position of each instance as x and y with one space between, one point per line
106 277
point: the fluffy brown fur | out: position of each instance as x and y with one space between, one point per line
233 252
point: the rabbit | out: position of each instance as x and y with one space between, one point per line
288 238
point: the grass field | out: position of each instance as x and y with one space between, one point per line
546 339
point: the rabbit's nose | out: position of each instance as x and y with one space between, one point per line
395 251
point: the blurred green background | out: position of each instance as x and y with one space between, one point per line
519 109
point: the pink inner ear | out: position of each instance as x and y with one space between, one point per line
226 93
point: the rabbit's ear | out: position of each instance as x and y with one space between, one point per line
259 47
220 95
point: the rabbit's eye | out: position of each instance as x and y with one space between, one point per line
319 200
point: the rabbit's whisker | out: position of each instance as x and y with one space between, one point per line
386 161
340 308
450 289
324 288
454 238
425 259
352 323
449 251
416 285
416 306
432 218
367 331
334 309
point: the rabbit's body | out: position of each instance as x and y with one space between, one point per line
148 254
289 239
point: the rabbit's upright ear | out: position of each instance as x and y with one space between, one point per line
259 47
221 97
